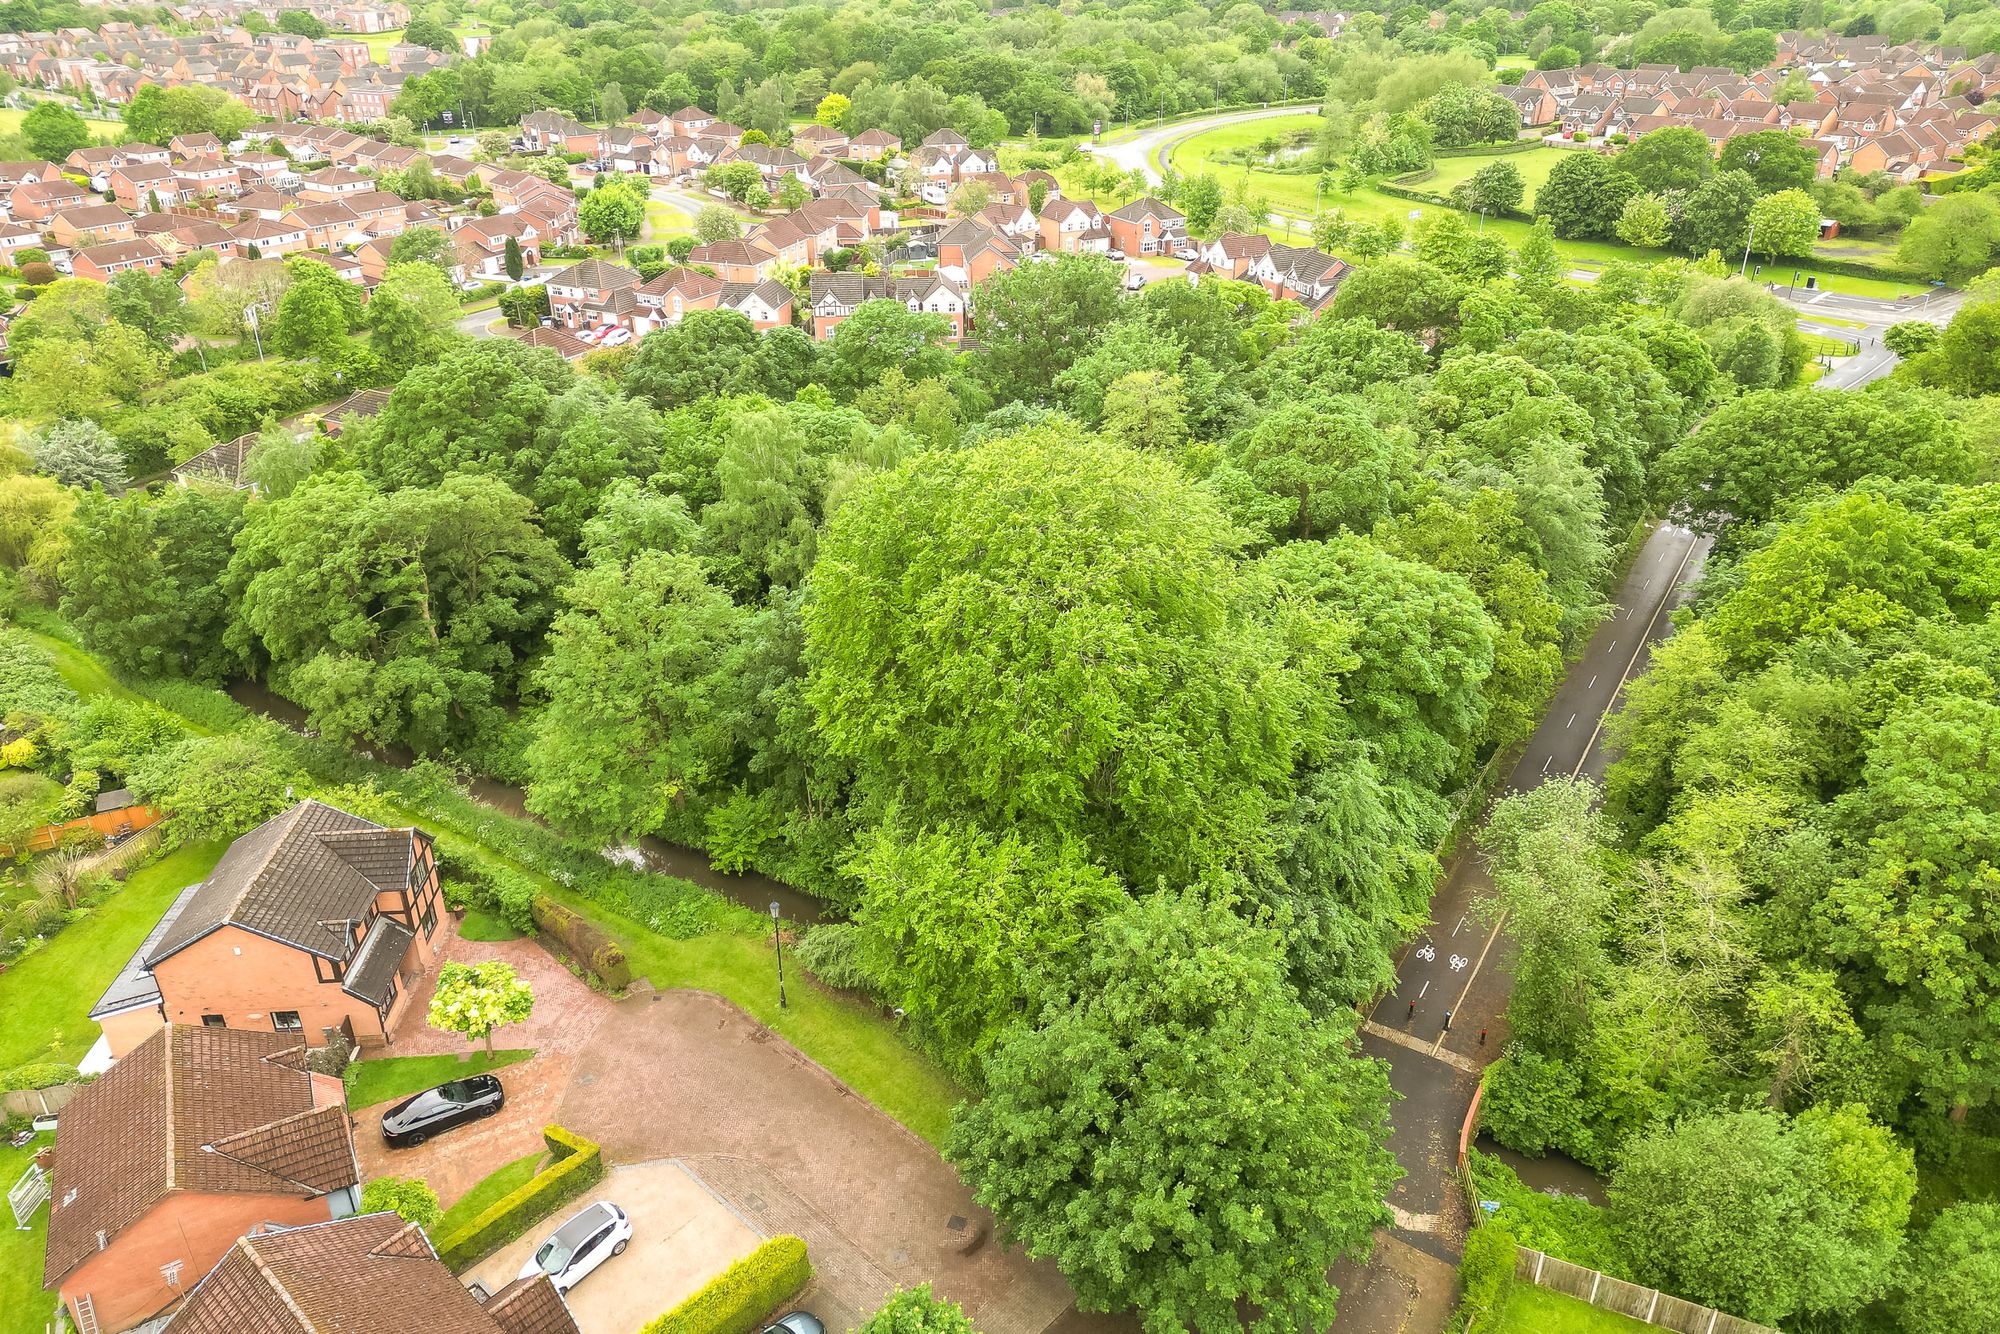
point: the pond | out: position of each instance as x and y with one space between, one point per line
749 888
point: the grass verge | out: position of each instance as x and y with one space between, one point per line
47 996
482 925
1531 1310
504 1181
376 1081
24 1307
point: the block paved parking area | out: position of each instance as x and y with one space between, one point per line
685 1074
566 1014
682 1236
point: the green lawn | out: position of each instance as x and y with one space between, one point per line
1534 166
391 1077
503 1182
79 671
378 42
482 925
24 1307
1298 195
1532 1310
11 118
664 220
46 998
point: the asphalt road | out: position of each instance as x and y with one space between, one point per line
1872 360
1145 149
1461 964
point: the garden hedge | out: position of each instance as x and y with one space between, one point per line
578 1165
588 945
737 1300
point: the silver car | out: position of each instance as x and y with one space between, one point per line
582 1244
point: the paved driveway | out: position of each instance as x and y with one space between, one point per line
685 1074
682 1236
566 1014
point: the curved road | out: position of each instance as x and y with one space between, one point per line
1146 149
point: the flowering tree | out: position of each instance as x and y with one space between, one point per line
474 999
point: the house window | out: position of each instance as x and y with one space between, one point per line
287 1021
327 970
430 917
212 1021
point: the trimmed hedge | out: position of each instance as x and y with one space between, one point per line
588 945
737 1300
1488 150
578 1165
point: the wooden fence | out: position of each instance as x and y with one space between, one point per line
126 820
39 1102
1614 1294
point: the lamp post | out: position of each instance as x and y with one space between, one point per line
778 943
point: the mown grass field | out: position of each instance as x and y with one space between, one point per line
378 42
1299 195
11 118
392 1077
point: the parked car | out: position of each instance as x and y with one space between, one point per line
1114 253
1188 251
434 1111
618 338
796 1322
582 1244
589 335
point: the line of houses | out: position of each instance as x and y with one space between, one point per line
319 191
1904 110
277 75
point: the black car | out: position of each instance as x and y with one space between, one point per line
434 1111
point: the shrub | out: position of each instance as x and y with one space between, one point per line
1561 1225
578 1165
585 943
737 1300
831 952
1486 1273
410 1197
916 1311
38 1075
1534 1103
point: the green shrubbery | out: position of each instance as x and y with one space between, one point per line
578 1165
737 1300
1486 1273
38 1075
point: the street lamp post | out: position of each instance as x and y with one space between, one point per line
778 943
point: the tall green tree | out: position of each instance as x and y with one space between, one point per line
1038 319
53 130
1176 1132
412 316
142 583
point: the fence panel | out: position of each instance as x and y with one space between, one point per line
39 1102
1616 1294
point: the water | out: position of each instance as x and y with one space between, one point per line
1555 1174
749 888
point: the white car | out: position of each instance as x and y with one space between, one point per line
581 1245
617 338
589 335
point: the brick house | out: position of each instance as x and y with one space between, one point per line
1073 227
576 291
105 262
1147 227
312 920
196 1137
369 1274
101 222
137 185
766 304
836 296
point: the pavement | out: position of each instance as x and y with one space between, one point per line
566 1015
687 1075
1460 966
683 1235
1876 315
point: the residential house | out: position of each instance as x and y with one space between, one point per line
316 920
690 122
836 296
663 300
92 224
39 201
1299 273
1147 227
873 146
560 341
334 183
270 239
766 304
813 140
105 262
551 131
208 176
1537 106
481 244
582 291
16 237
968 253
740 261
196 145
196 1137
366 1274
146 185
1233 254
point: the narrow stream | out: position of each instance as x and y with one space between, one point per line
749 888
1556 1174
